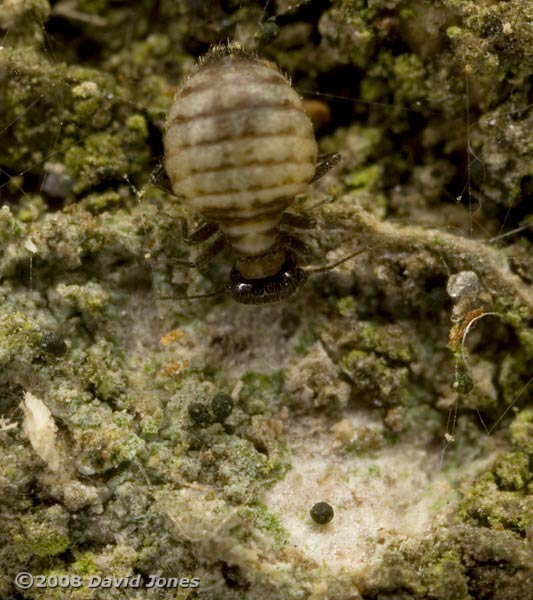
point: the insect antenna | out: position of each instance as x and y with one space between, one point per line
313 270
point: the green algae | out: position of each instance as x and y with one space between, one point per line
521 430
88 260
46 532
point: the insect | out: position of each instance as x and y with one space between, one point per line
239 148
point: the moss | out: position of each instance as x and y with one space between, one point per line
68 238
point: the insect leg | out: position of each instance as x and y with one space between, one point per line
205 257
203 233
161 180
298 221
291 242
325 163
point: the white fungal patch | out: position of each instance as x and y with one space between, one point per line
41 430
393 496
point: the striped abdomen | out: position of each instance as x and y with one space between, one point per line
239 147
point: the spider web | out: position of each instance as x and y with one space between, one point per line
39 176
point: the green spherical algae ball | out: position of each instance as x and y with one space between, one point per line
53 344
222 405
199 414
